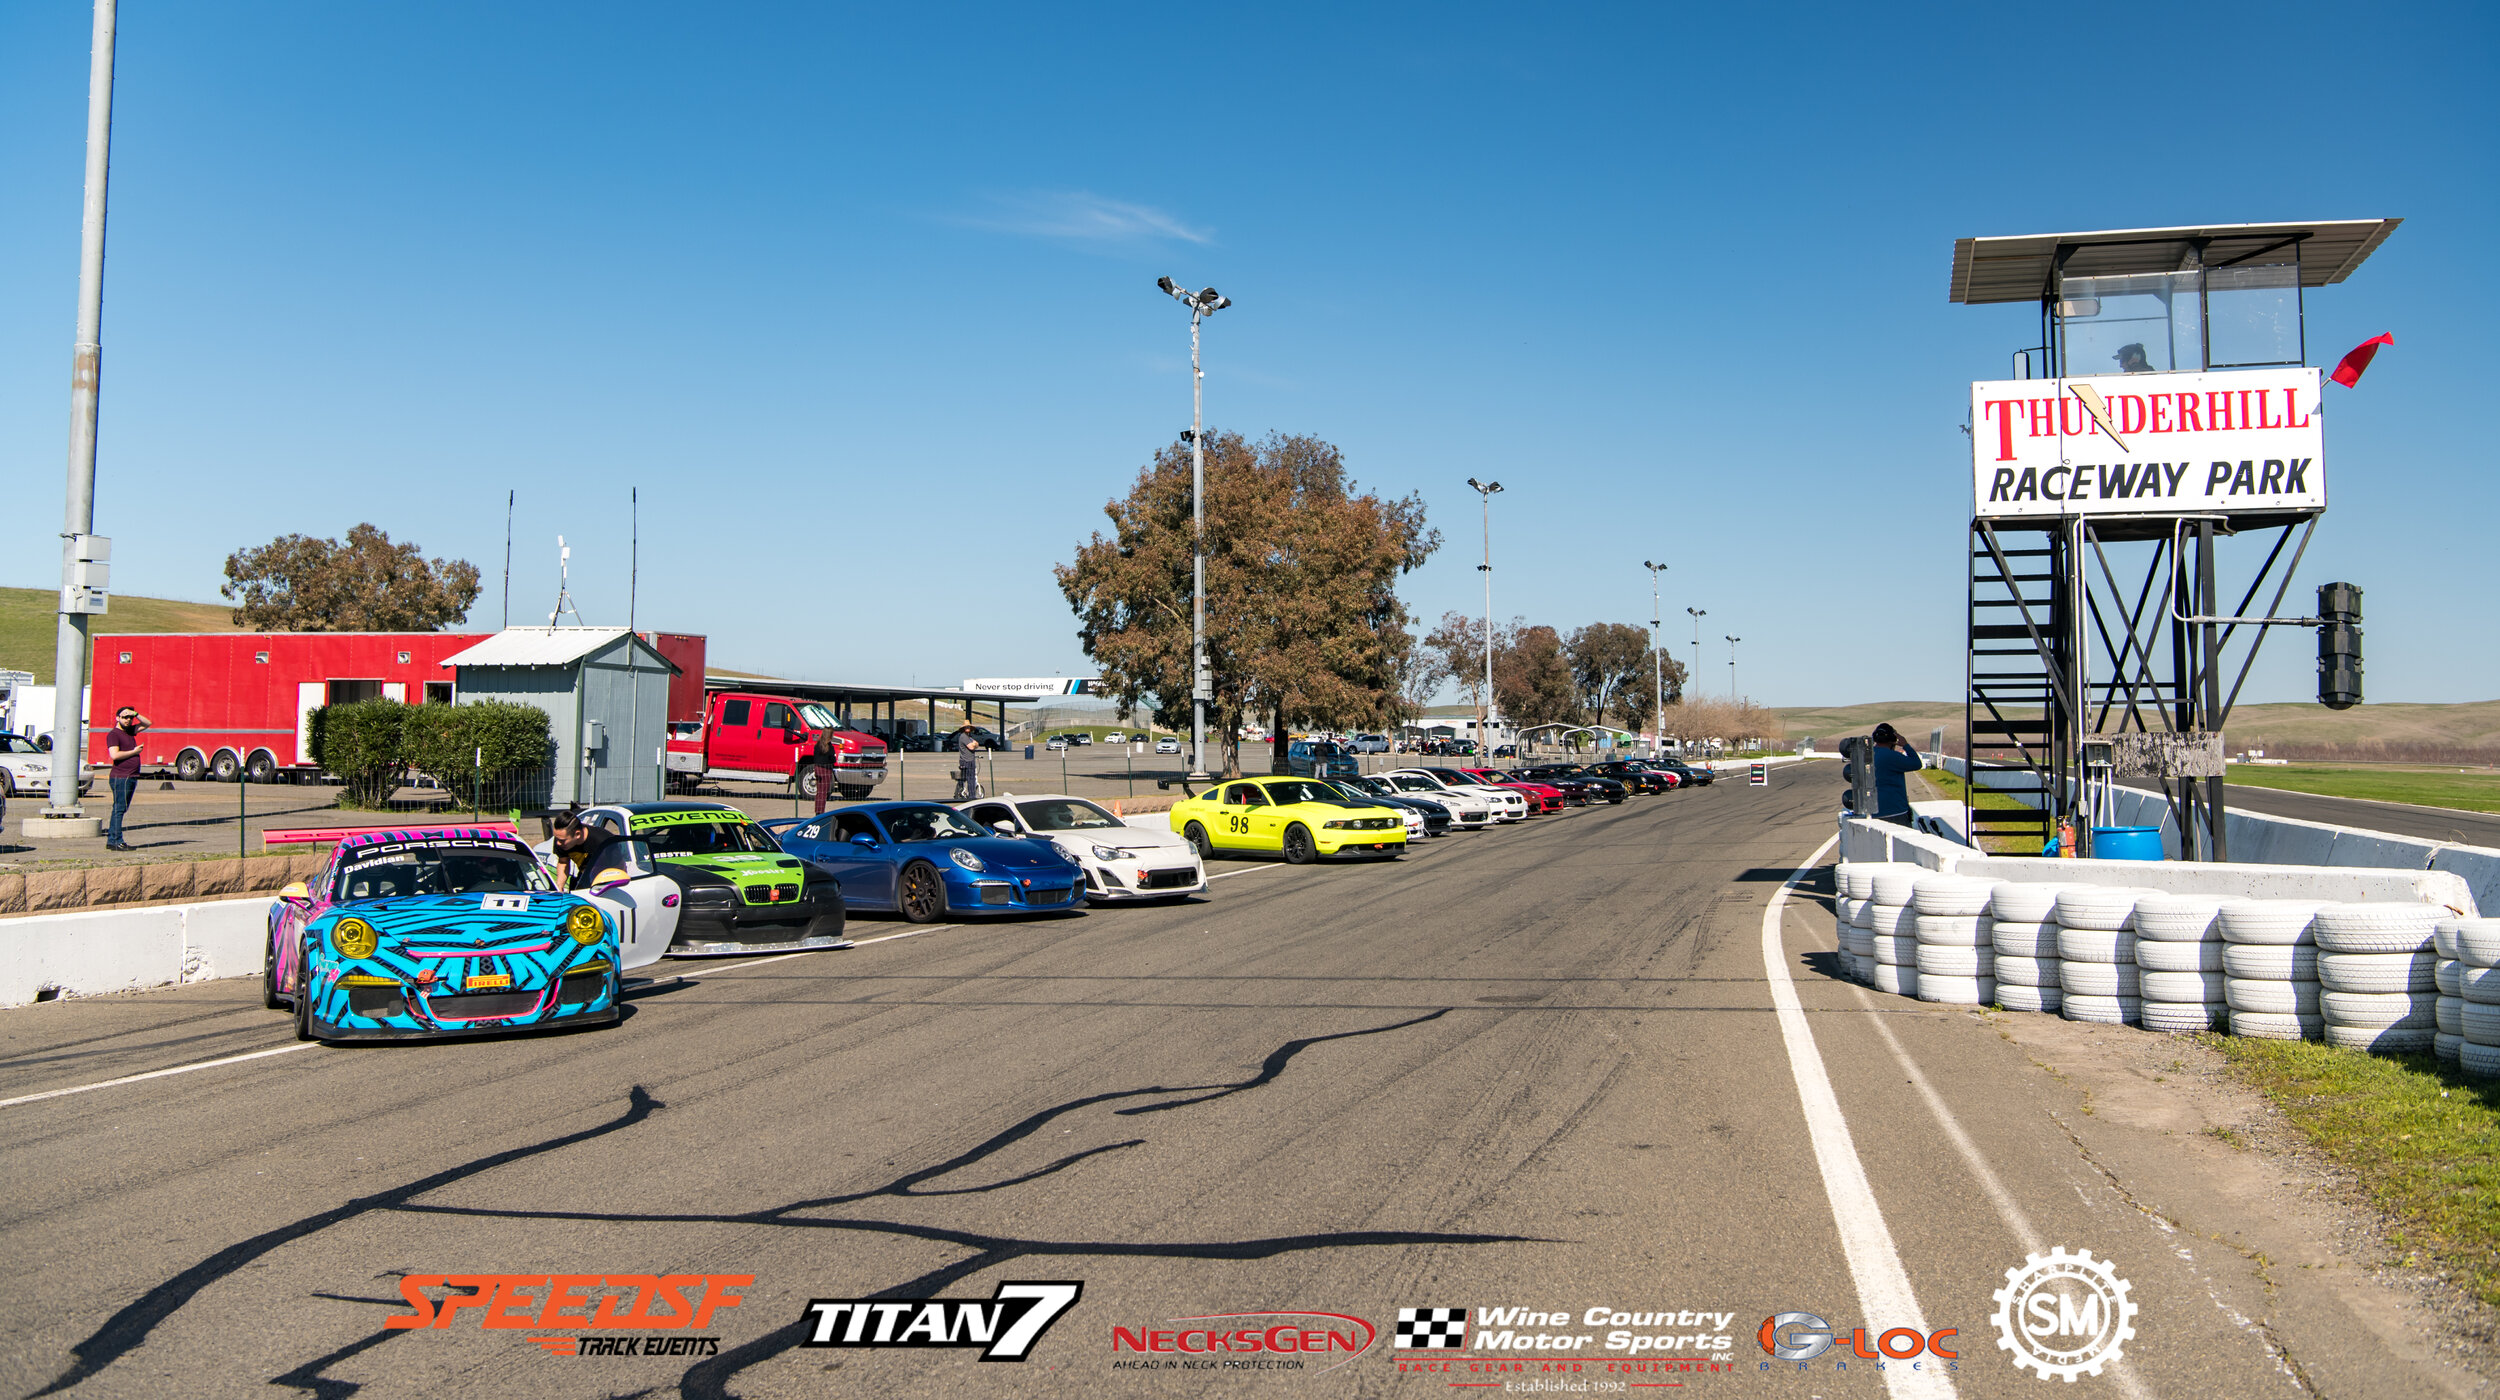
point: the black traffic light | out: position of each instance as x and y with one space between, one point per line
2339 646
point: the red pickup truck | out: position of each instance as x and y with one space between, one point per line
747 736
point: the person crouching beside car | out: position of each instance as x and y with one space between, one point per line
580 849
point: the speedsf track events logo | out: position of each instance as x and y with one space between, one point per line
599 1314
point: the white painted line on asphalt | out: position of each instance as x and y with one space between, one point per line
1884 1295
157 1074
2007 1210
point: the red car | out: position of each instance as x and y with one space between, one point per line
1542 798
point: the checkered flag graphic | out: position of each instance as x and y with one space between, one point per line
1432 1327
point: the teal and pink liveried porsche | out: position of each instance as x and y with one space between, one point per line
440 931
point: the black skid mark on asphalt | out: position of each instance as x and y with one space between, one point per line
124 1331
1276 1061
308 1377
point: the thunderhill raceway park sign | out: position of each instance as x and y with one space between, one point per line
2147 444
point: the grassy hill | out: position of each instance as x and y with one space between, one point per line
2472 725
29 618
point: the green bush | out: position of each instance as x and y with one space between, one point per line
362 742
468 748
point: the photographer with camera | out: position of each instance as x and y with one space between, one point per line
1887 759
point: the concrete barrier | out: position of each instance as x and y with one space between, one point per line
95 952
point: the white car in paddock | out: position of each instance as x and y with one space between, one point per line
1507 804
1122 862
1469 811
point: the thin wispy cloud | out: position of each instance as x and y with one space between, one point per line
1079 217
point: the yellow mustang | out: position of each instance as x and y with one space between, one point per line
1301 819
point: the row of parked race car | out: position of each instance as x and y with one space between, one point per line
450 931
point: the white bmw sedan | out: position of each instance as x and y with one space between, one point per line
1122 862
1504 804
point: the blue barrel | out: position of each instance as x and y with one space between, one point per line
2126 843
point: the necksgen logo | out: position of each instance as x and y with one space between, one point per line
1233 1338
1005 1326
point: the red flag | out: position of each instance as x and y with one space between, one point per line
2348 373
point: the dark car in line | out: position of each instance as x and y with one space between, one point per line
1585 787
1684 772
1636 776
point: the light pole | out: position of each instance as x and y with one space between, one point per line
1657 667
1484 714
1731 666
63 815
1698 615
1202 303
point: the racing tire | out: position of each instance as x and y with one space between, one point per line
2018 902
1956 991
2476 984
2102 1011
1196 836
2095 945
2377 928
1299 848
8 783
2024 940
269 998
2101 908
262 768
2019 998
1892 919
2183 988
2100 979
2016 971
225 767
2184 1017
2378 972
2272 921
1956 930
2477 941
1946 960
810 780
1951 895
853 791
303 996
2178 918
1894 949
2271 998
1898 980
190 766
2202 956
2277 1025
920 893
2271 962
2385 1010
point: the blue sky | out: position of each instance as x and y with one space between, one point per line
862 299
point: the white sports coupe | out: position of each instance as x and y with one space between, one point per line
1122 862
1504 804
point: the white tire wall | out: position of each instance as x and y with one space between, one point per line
2014 998
1896 979
2483 1060
2106 907
2378 972
2179 918
2028 972
1957 991
1892 918
2019 903
2181 987
2377 928
2270 1025
1957 930
2024 940
2201 956
1895 949
1952 895
2095 945
2273 962
2394 1010
2273 921
2271 998
2097 979
1951 960
2107 1011
2184 1017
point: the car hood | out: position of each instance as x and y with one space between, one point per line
1014 852
440 915
1127 838
736 867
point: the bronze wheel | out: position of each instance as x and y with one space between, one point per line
924 894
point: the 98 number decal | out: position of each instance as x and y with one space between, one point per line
1238 825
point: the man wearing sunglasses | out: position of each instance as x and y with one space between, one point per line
121 744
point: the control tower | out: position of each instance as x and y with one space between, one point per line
2169 405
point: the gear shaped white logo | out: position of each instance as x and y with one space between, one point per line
2057 1298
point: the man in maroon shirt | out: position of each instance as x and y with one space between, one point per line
121 744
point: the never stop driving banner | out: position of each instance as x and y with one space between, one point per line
2224 442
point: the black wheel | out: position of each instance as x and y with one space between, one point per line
269 974
924 894
263 768
811 781
8 783
225 767
1299 849
853 791
1196 836
303 998
190 767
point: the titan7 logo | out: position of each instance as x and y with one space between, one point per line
1006 1325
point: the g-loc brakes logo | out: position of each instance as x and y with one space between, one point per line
1006 1325
2064 1296
1803 1336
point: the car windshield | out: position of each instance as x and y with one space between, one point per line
1408 782
404 868
727 834
931 823
1299 792
1066 814
818 717
13 743
1325 750
1370 786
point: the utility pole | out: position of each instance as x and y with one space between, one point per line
1485 491
82 574
1731 666
1698 615
1202 304
1657 666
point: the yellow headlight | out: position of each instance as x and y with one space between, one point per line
354 938
585 924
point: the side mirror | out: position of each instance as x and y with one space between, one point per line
1004 829
794 735
610 878
295 893
864 840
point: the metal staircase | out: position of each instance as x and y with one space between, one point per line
2023 659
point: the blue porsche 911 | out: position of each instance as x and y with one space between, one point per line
929 862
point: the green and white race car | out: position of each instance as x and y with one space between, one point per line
737 891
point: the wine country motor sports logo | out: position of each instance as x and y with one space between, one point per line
1282 1339
2064 1315
1005 1325
1431 1329
599 1314
1803 1336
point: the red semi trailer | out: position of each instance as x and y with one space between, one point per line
229 704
